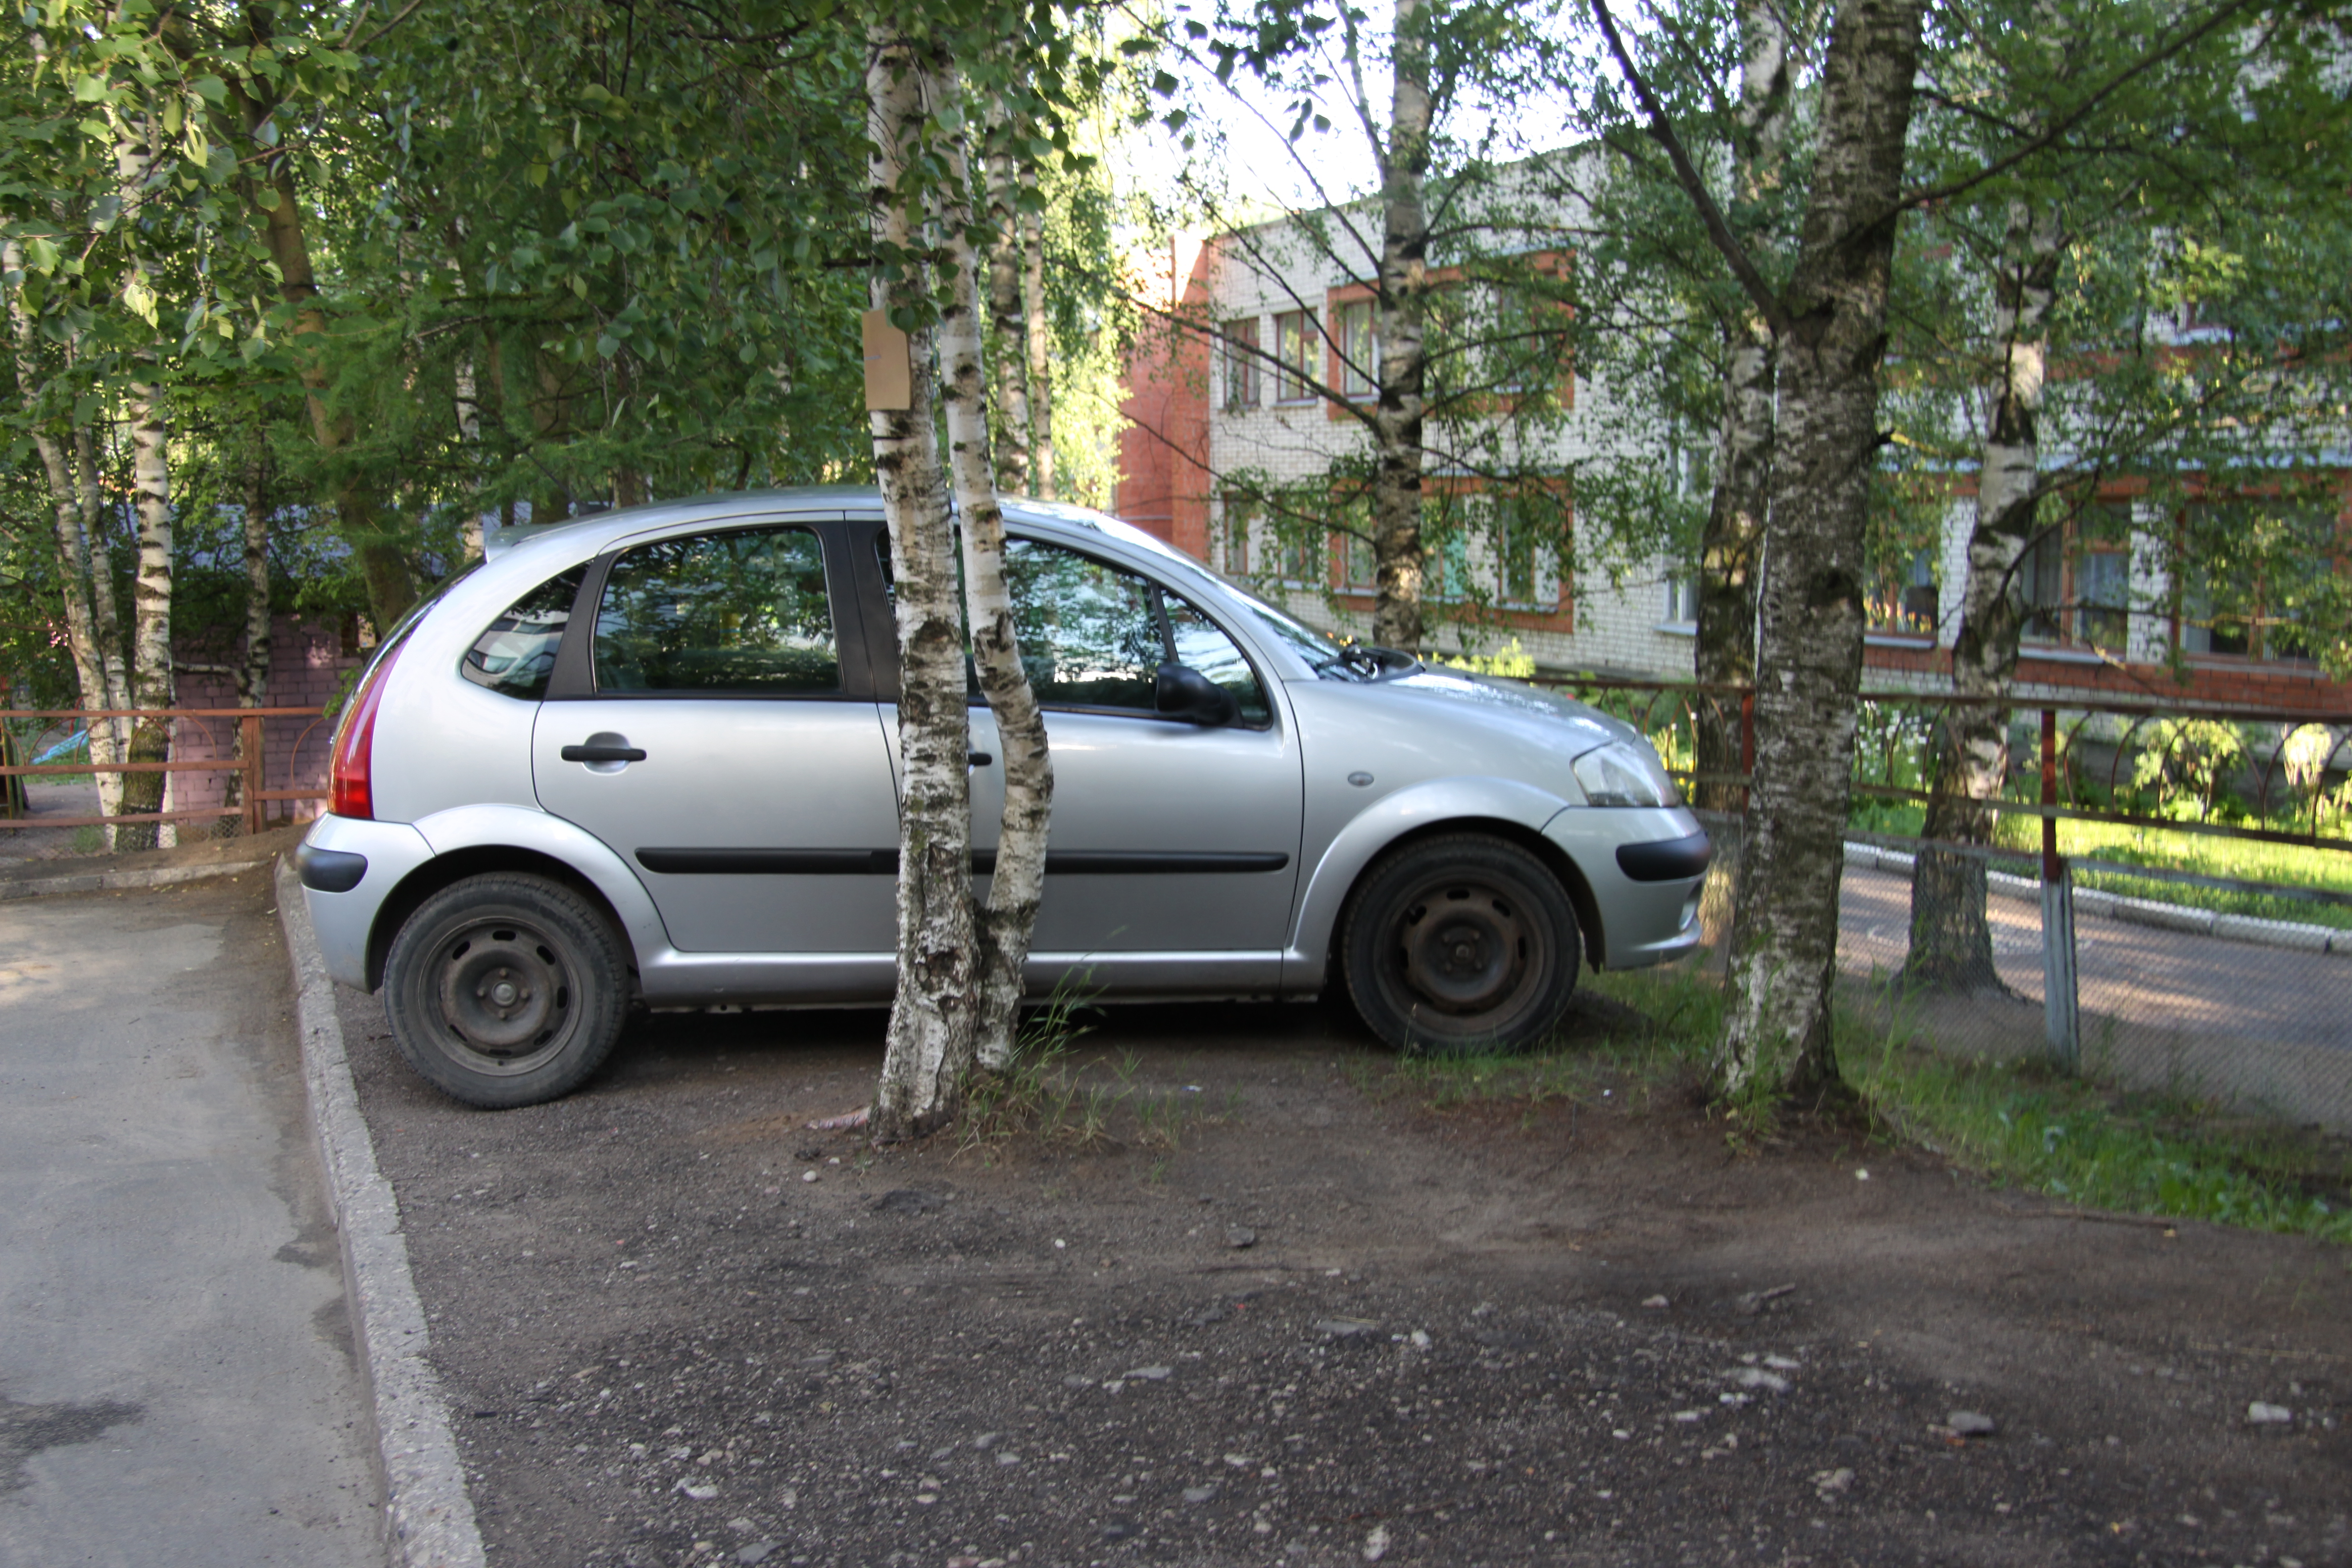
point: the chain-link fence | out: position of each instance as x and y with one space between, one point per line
2194 936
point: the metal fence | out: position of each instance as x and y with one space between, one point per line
2196 940
230 771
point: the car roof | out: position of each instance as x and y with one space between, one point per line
598 530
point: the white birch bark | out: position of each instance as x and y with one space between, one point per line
110 738
1951 940
1008 322
1812 617
152 685
931 1017
1401 310
1731 546
1041 344
1018 884
73 559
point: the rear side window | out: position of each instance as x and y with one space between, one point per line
516 653
743 613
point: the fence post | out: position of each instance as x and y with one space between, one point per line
249 742
2060 1005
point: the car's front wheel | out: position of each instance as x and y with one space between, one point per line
1460 943
504 990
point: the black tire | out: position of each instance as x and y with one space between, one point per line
559 1017
1460 945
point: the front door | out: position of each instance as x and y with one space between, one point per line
1168 836
719 750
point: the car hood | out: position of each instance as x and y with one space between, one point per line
1560 724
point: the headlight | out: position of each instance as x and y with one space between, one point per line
1624 773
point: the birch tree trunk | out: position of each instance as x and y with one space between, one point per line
1008 327
1403 367
1731 547
931 1016
110 739
152 685
73 560
1018 883
1951 940
1777 1037
1041 344
253 679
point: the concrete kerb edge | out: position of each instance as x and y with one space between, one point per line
124 881
428 1518
2291 934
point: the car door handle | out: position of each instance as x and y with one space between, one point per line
982 759
602 754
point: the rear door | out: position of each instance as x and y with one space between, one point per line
718 731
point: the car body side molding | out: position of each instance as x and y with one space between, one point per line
710 862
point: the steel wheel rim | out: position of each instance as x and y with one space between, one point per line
502 993
1466 954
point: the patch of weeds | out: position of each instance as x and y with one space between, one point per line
2026 1124
1048 1098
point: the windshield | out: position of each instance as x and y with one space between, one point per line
1329 657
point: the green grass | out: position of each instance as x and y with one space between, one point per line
2246 859
2018 1124
2206 856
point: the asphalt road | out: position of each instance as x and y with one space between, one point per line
175 1378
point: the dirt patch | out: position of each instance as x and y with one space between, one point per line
1574 1334
46 860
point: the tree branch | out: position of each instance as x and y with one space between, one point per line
1719 229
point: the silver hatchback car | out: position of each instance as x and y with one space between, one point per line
651 756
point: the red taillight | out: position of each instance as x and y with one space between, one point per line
348 788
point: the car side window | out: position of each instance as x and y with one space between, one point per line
1093 636
516 653
1200 644
1090 632
743 613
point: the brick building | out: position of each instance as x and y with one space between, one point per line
2112 616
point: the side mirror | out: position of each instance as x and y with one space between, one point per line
1185 693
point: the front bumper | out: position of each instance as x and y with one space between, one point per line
344 915
1644 867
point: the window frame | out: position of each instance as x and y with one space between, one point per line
1245 371
1294 377
1159 593
573 680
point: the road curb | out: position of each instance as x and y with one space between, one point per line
429 1520
2292 934
124 881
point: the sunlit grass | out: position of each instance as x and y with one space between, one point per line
2019 1123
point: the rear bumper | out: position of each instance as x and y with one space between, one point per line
344 915
1644 867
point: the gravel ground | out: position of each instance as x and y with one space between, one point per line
1327 1325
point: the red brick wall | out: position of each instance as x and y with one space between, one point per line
1163 477
307 668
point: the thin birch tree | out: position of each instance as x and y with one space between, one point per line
933 1014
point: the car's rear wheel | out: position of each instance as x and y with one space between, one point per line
1460 943
504 990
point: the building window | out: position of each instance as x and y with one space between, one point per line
1359 349
1295 343
2077 580
1241 364
1360 568
1303 560
2247 568
1682 599
1233 537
